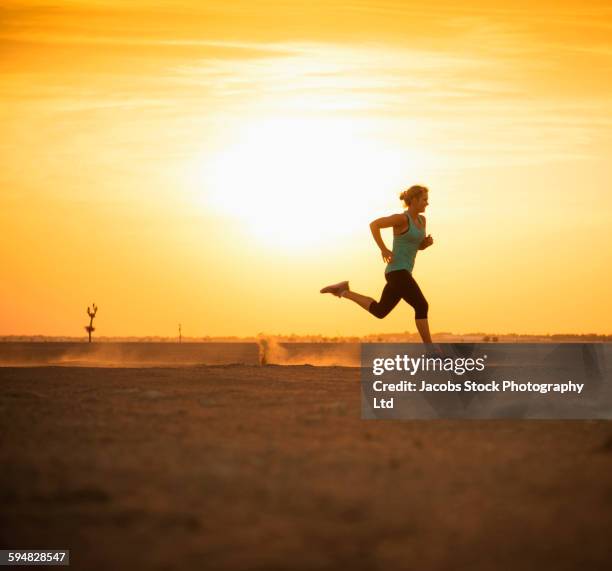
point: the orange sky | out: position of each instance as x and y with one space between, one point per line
216 163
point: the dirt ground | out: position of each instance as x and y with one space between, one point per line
272 468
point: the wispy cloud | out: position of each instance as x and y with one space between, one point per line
503 81
471 102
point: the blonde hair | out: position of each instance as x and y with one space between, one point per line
412 192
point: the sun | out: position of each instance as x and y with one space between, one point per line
297 182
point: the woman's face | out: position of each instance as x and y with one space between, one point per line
420 202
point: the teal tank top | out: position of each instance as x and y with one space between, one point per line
405 247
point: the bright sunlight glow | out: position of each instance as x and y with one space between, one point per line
297 182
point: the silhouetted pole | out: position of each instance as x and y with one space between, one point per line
180 334
92 313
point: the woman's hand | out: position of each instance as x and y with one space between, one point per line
387 255
427 241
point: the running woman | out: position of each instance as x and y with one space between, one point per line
408 237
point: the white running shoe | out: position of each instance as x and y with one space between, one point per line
336 289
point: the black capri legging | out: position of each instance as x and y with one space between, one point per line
400 285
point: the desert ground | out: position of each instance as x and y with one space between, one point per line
234 467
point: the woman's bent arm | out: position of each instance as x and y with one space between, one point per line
395 220
377 237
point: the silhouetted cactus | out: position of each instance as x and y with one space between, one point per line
92 313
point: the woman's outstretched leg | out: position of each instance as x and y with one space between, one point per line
388 300
361 300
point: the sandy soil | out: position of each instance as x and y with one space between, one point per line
270 468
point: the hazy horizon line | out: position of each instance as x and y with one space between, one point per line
492 337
